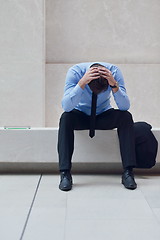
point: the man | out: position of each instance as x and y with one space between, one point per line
82 82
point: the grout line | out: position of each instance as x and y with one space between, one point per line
30 209
154 215
151 208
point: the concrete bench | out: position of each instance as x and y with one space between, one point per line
35 150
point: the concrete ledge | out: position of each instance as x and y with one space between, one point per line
35 150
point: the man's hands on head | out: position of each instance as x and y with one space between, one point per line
95 73
91 74
107 74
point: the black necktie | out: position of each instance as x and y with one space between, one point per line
93 115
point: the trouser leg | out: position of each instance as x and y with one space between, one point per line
76 120
69 121
126 140
122 120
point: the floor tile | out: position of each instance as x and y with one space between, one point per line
98 207
47 219
17 193
101 186
104 197
112 230
150 188
108 209
157 214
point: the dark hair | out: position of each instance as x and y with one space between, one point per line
100 84
96 65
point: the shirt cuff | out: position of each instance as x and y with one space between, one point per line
119 93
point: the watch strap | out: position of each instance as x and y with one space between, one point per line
114 86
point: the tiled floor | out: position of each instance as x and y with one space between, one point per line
98 208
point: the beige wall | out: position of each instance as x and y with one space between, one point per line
123 32
22 63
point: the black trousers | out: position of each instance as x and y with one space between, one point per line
113 118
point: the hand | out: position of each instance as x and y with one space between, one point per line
91 74
107 74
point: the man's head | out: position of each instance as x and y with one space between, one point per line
100 84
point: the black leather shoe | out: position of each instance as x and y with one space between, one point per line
66 181
128 180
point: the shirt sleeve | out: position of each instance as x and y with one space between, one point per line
120 97
72 91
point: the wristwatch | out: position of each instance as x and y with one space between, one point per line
115 85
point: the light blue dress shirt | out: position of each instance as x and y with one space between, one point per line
77 98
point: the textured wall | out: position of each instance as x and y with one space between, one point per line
123 32
22 62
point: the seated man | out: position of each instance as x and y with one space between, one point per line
86 103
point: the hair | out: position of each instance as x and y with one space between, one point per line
96 65
100 84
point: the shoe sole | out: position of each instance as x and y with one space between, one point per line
131 188
65 189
